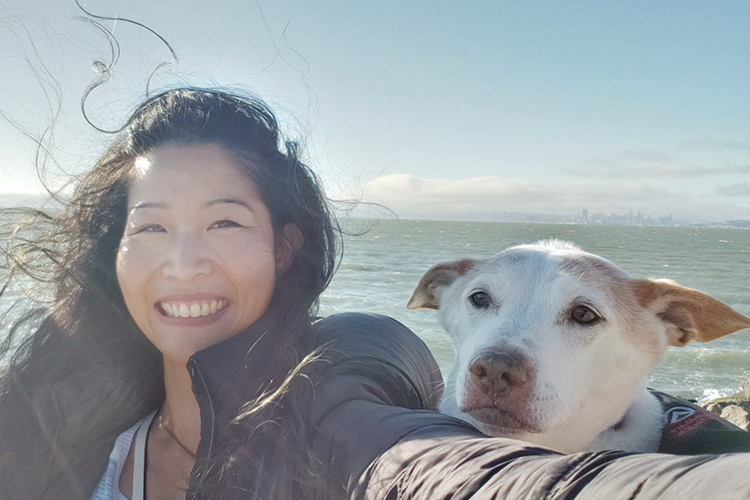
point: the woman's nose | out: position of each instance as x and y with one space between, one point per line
187 259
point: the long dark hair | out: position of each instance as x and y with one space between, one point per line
79 371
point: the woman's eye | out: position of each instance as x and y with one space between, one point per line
480 300
150 228
222 224
584 315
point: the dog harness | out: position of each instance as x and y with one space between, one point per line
692 430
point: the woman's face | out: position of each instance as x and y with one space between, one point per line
197 263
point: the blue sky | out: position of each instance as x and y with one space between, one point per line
434 107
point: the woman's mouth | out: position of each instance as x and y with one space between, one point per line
191 309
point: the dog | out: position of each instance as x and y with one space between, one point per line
554 344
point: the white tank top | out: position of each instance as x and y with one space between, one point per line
109 486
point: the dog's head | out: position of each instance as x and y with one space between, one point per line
547 332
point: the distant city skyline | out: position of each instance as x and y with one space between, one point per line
553 218
380 211
490 106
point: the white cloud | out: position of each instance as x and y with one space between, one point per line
741 190
411 196
718 144
648 165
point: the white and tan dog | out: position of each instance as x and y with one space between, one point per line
554 344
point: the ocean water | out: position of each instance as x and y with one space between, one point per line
381 267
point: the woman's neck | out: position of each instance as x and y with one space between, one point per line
172 440
181 414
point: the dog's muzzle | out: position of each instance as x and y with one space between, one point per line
499 388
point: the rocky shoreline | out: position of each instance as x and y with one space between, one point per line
734 408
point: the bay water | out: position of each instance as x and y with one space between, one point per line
381 268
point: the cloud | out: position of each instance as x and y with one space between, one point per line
446 191
642 156
409 196
647 165
36 200
741 190
726 145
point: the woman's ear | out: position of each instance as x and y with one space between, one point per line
287 245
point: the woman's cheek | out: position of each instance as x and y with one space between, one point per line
250 251
133 261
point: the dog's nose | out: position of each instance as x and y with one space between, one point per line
498 371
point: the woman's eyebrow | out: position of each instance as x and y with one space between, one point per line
231 201
142 205
208 204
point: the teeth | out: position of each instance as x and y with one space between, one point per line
193 309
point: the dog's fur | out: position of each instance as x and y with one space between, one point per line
532 363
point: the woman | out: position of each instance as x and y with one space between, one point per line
186 270
190 229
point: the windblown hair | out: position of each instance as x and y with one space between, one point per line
78 370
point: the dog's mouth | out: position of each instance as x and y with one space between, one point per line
502 421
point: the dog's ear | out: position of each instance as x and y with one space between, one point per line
688 314
437 276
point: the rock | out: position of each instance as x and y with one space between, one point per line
735 408
713 406
716 406
746 389
737 415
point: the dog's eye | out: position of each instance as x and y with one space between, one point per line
480 299
584 315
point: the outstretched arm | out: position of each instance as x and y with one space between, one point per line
373 411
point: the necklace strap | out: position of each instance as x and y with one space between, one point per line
139 469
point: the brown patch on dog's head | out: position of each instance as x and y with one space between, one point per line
687 313
439 275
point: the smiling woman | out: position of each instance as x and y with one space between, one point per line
197 262
193 228
180 356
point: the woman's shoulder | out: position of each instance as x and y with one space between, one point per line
379 351
366 331
374 335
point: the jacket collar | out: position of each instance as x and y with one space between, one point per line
237 371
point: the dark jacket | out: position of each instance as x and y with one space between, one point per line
374 426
